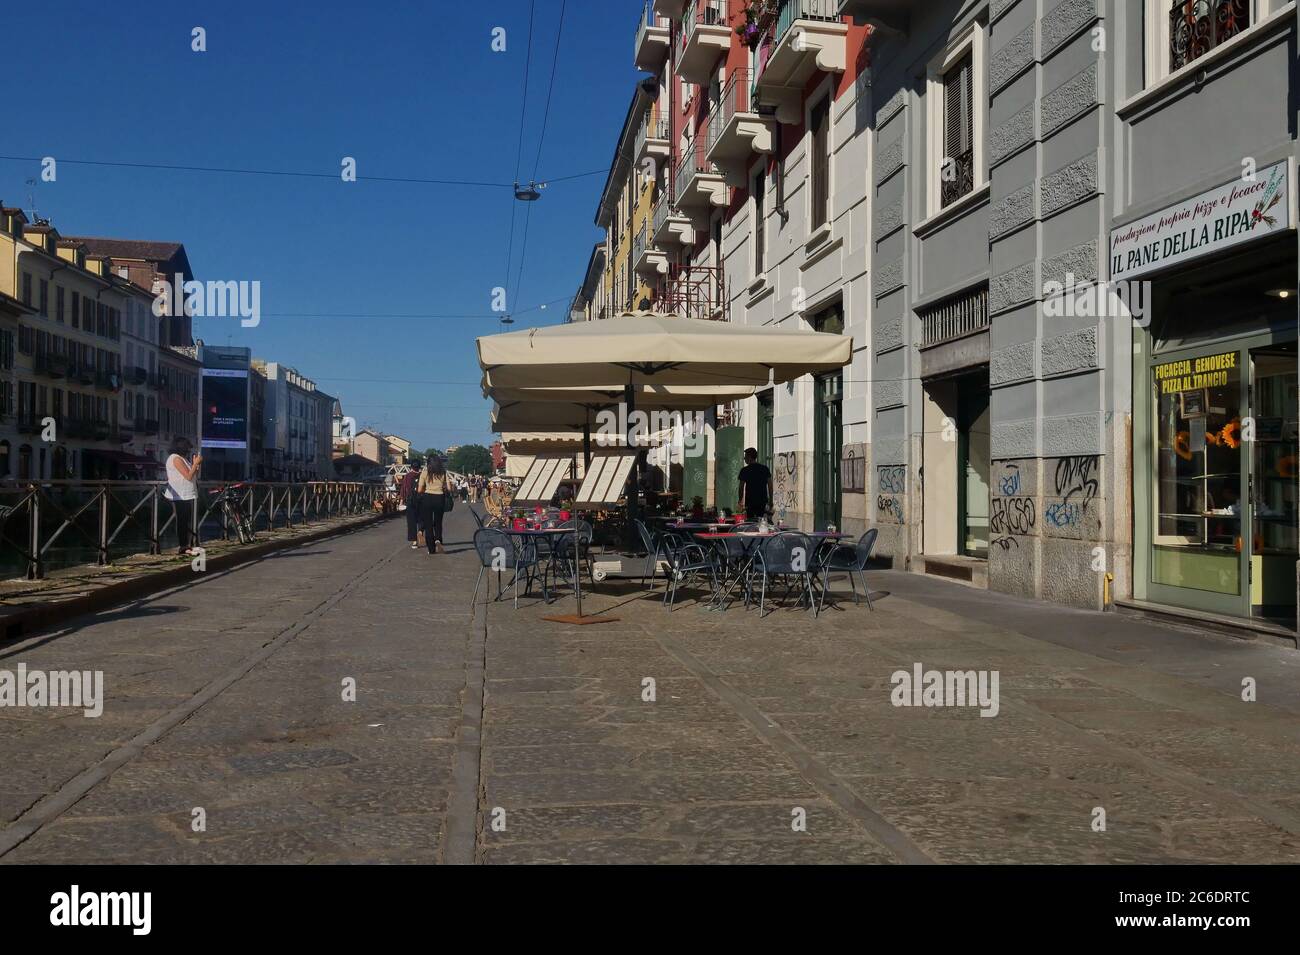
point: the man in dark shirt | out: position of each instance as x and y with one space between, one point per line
755 486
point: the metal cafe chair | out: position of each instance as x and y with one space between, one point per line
852 558
498 551
789 556
687 561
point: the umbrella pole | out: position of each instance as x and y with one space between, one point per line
579 618
634 497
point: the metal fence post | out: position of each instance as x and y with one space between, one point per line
103 526
35 568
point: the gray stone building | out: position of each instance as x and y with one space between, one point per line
1022 150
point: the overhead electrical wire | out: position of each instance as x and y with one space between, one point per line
541 140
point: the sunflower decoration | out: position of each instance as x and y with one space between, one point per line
1212 438
1286 467
1231 434
1183 445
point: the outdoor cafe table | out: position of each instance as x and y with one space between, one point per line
750 538
540 533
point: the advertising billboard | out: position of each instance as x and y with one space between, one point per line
225 408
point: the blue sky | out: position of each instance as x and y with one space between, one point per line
295 86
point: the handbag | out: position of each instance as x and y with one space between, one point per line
448 499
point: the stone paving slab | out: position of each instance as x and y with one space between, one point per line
769 740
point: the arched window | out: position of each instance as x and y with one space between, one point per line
60 472
25 462
4 460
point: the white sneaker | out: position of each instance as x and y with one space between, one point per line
414 545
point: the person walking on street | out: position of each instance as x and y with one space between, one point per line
755 486
434 488
183 491
411 498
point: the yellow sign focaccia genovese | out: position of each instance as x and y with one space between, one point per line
1193 374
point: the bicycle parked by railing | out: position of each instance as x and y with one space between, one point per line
227 499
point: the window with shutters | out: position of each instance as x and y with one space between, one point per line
956 107
957 176
819 132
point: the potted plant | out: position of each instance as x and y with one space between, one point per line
750 29
697 508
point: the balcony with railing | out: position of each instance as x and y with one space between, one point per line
694 292
135 375
671 228
647 259
698 183
799 38
1197 26
653 136
704 37
672 9
108 379
652 37
736 131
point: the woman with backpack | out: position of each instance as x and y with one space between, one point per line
434 493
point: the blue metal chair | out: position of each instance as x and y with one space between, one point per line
852 558
788 555
654 543
498 551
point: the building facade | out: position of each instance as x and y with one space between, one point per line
1068 297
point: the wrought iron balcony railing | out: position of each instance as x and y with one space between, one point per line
1198 26
955 318
653 126
708 12
737 97
694 161
957 179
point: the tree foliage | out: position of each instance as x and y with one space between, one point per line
471 459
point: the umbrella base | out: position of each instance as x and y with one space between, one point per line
580 620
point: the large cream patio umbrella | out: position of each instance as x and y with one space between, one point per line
657 349
638 349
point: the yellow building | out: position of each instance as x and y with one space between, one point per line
65 367
633 266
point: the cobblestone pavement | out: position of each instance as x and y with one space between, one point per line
486 734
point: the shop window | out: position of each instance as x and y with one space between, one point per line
1198 479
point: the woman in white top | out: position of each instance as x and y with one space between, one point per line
434 487
182 490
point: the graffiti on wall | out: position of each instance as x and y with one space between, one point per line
1013 515
1009 480
1063 514
1077 479
891 484
785 484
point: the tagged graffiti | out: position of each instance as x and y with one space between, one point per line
1009 482
891 479
1013 515
786 481
1063 514
1005 543
853 473
889 507
1076 478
